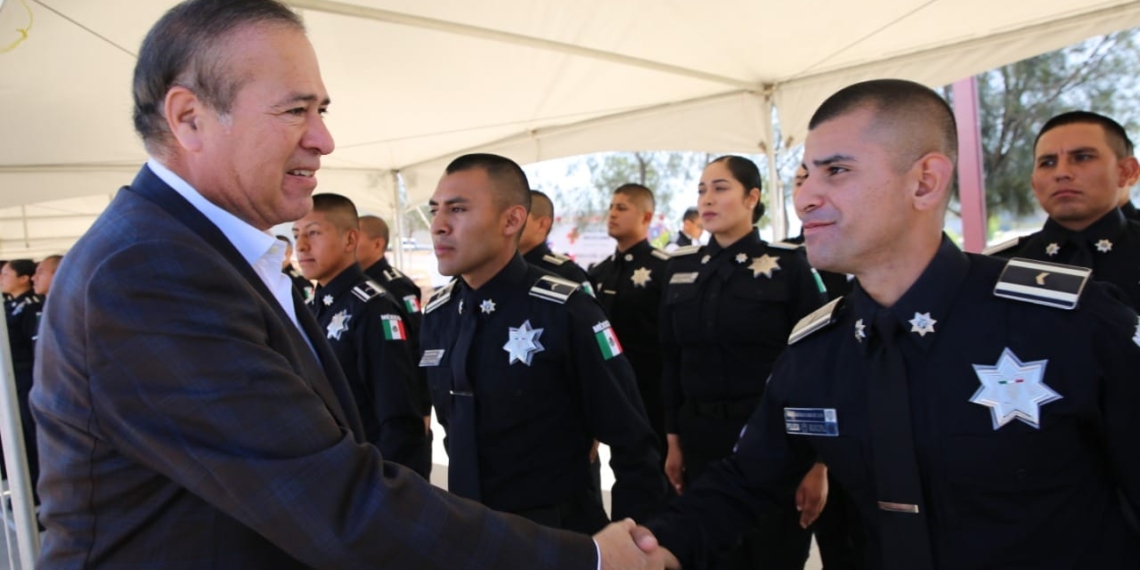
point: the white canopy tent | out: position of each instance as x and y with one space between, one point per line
416 83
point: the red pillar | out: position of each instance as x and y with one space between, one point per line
971 177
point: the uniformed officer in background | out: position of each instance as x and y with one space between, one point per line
23 311
535 250
366 329
628 285
304 286
370 249
982 413
691 229
525 370
1082 161
725 319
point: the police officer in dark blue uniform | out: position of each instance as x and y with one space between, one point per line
23 318
690 233
533 246
370 249
1082 160
525 370
982 413
726 315
304 286
628 284
366 329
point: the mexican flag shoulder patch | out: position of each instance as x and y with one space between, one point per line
607 340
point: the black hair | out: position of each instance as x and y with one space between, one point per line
511 185
748 174
1114 133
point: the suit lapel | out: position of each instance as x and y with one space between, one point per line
324 377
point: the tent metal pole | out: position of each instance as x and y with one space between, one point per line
16 458
398 221
971 175
779 214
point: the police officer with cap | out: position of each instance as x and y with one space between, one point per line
1082 161
525 369
981 412
533 246
366 329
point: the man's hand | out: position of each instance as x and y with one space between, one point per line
811 496
594 452
675 463
659 556
618 549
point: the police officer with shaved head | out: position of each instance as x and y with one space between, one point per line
980 412
525 369
535 250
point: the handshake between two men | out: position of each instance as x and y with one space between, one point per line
625 545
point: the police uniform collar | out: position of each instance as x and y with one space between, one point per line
639 249
922 310
1109 227
380 265
749 241
535 255
341 283
509 278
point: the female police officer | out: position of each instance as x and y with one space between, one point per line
726 314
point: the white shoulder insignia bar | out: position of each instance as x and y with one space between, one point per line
659 254
439 298
1003 246
554 289
784 245
815 321
687 250
554 259
368 290
1041 282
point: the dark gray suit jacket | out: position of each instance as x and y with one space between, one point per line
185 423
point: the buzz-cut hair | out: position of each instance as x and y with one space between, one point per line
509 181
339 210
920 120
690 215
540 205
1114 132
639 194
374 227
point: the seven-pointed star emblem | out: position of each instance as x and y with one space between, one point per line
741 258
1052 249
338 324
860 330
1013 389
640 276
328 300
487 306
522 343
1104 246
922 323
765 264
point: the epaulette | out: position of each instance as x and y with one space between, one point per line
368 290
687 250
662 255
1043 283
817 320
392 274
1007 244
439 298
555 259
784 245
553 288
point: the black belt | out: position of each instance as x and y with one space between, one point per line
722 409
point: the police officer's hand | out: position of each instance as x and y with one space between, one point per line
811 496
675 463
621 549
659 556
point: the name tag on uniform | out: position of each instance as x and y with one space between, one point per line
684 278
811 421
431 358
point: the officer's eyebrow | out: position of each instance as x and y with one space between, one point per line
828 161
725 180
449 201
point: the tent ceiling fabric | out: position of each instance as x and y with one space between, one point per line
416 83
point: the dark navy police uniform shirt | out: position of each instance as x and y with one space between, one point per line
1024 419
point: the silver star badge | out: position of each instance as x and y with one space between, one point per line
1013 390
1052 249
705 259
487 306
338 325
328 300
741 258
922 323
522 344
640 276
765 264
1104 246
860 330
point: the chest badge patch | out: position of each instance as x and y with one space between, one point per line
1013 390
765 264
522 343
338 325
640 276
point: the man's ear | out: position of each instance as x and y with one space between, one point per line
1129 171
515 217
352 236
184 113
935 171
